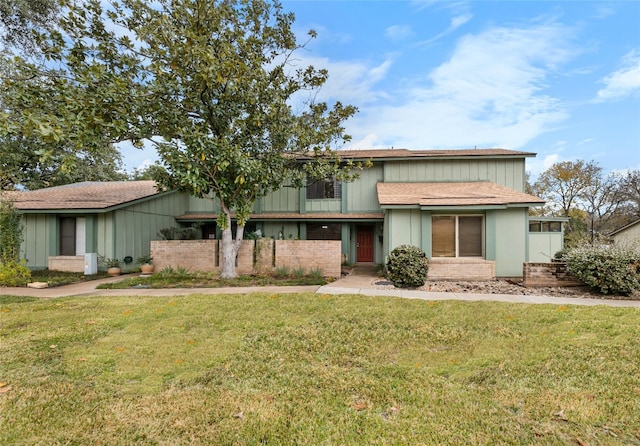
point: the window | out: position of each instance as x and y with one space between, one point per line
324 231
545 226
67 236
320 189
457 236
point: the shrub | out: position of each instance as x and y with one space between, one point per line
282 271
298 272
171 233
14 273
407 267
10 232
609 270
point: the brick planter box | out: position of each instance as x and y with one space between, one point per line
553 274
441 268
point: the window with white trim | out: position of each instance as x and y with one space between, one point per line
457 236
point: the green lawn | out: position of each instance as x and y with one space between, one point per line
315 369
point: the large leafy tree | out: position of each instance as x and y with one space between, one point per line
563 183
26 163
19 17
212 83
35 158
595 202
630 192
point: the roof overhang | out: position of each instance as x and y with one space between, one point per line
452 195
289 216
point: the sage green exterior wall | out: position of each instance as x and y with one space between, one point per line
404 227
324 205
289 230
122 232
201 205
506 172
510 240
544 245
286 199
361 195
35 246
128 231
505 234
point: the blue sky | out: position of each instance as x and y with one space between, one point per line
561 79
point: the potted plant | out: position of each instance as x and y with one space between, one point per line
146 264
113 266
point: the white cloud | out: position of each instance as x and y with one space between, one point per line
489 93
456 22
398 32
351 82
623 82
370 141
535 166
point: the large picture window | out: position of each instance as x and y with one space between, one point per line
457 236
320 189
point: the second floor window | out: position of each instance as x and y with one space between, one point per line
319 189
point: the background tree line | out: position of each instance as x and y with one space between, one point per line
595 202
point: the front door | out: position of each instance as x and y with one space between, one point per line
365 243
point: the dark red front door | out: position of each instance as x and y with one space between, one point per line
365 243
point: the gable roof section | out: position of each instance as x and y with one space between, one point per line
86 195
479 193
624 228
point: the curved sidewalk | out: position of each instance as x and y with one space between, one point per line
360 281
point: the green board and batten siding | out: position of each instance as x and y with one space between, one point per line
361 195
506 172
132 225
138 224
505 229
36 227
506 232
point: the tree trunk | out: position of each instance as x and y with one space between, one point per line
230 247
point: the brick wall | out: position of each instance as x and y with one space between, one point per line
549 274
461 269
72 264
192 255
324 255
200 255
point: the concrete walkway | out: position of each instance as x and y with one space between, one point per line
360 281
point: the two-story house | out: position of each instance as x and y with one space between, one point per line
466 209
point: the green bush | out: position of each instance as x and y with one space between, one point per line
14 273
10 232
407 267
171 233
609 270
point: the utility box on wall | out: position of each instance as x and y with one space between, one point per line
90 263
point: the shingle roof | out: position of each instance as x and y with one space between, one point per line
405 153
86 195
625 227
451 194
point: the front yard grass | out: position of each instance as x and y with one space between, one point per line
315 369
58 278
178 279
